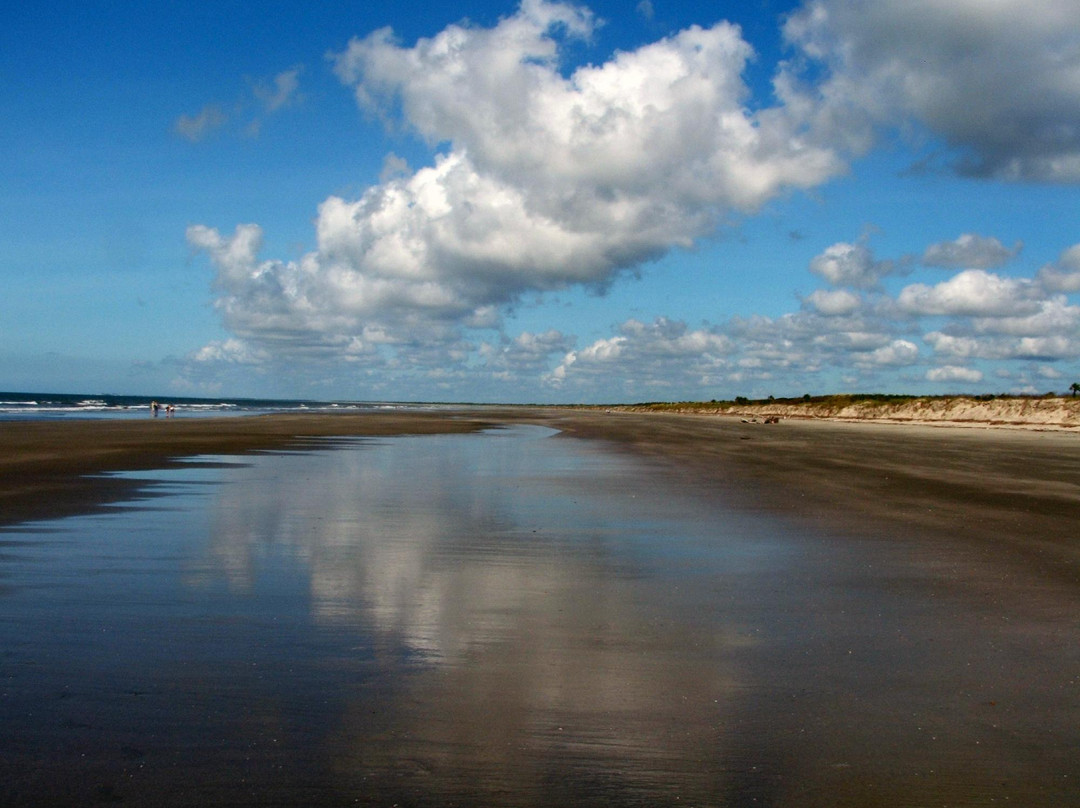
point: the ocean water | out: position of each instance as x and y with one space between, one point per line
510 619
36 406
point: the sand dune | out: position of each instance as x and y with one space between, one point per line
1021 413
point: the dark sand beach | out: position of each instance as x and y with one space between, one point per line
899 629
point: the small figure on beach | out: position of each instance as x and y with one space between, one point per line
169 410
154 407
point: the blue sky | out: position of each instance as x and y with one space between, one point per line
544 202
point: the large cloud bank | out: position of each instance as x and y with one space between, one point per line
544 178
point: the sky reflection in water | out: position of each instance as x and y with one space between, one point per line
428 618
520 600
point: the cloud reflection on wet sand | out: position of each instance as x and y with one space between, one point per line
517 611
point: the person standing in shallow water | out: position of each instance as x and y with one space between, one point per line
154 407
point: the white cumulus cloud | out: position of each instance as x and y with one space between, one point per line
954 373
543 181
643 356
846 264
1052 317
834 302
973 292
897 353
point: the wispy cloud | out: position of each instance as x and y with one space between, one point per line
268 97
197 127
280 92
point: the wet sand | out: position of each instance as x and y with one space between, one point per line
921 647
1009 491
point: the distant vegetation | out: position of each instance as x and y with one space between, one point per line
832 401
